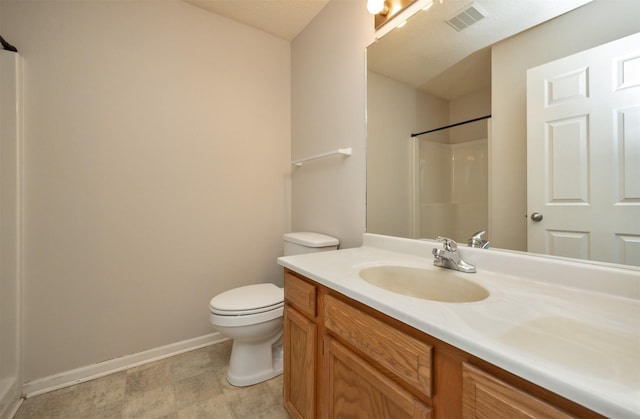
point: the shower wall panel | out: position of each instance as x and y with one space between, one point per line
453 188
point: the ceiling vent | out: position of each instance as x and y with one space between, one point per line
467 17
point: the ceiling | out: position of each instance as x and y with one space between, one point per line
282 18
430 55
434 47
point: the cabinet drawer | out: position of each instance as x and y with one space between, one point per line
401 354
300 294
485 396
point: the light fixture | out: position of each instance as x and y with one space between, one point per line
377 7
386 10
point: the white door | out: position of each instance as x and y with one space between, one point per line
583 154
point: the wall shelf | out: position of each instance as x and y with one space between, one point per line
340 151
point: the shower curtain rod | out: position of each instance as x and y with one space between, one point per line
452 125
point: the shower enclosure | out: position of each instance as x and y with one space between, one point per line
451 182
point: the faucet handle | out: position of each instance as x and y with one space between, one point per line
450 245
478 235
476 240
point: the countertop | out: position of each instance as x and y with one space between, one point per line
570 327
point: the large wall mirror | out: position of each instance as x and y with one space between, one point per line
455 181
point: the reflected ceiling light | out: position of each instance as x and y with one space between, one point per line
391 8
428 5
377 7
395 8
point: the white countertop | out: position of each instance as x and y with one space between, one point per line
570 327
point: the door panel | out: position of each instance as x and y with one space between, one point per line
568 157
583 154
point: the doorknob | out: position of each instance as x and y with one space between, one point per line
536 216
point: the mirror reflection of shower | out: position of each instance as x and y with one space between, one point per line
414 188
451 182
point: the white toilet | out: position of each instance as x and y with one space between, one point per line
252 317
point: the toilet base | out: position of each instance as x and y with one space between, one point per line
252 363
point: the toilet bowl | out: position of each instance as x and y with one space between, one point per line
252 316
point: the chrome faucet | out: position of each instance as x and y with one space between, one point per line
477 241
449 257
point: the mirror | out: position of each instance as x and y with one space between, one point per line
426 75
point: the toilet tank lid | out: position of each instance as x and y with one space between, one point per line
310 239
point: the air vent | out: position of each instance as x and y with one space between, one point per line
467 17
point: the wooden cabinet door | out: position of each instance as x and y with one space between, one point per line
484 396
354 389
299 364
402 355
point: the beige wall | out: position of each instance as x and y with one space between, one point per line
389 155
591 25
10 231
432 112
328 112
470 106
157 142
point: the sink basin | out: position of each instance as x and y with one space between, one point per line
428 284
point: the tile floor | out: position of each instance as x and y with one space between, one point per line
190 386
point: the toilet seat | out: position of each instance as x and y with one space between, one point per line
231 320
215 310
248 300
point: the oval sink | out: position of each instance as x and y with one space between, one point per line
428 284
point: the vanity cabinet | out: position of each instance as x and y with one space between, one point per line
355 388
345 359
399 354
300 347
485 396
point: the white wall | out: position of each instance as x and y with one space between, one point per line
389 155
10 231
157 142
470 106
432 112
593 24
328 112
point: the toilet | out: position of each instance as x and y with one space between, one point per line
252 317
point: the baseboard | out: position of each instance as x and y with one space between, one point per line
11 409
90 372
10 399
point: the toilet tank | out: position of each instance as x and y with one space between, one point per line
307 242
